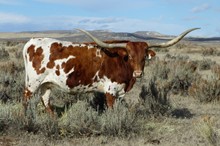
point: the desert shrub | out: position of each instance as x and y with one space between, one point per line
159 69
4 55
155 100
12 70
12 67
18 54
16 50
181 45
119 121
47 125
10 117
182 75
176 57
12 86
215 69
12 80
13 121
206 90
81 119
161 50
206 64
210 51
11 43
4 97
176 74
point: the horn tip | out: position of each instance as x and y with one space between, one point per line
195 28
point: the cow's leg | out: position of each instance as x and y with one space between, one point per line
32 84
26 98
110 100
45 98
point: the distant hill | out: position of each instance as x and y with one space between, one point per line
76 36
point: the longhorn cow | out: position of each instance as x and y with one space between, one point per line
108 67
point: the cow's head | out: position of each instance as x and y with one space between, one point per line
138 52
135 52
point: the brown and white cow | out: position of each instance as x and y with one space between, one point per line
107 67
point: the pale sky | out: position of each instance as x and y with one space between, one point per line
164 16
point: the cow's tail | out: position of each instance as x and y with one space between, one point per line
25 57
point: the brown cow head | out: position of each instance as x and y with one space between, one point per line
137 54
136 51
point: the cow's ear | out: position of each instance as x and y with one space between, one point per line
150 53
123 53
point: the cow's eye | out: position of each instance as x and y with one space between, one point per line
126 58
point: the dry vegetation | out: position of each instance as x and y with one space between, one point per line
175 103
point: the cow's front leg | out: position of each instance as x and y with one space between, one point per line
110 100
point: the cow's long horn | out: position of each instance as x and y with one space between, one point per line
101 43
173 41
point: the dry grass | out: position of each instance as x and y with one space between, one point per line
205 128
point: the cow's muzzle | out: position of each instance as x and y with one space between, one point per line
137 74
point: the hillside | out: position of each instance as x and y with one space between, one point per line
76 36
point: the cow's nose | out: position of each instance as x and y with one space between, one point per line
137 74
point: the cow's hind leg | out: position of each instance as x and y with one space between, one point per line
45 98
110 100
26 98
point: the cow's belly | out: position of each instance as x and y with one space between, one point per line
103 85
